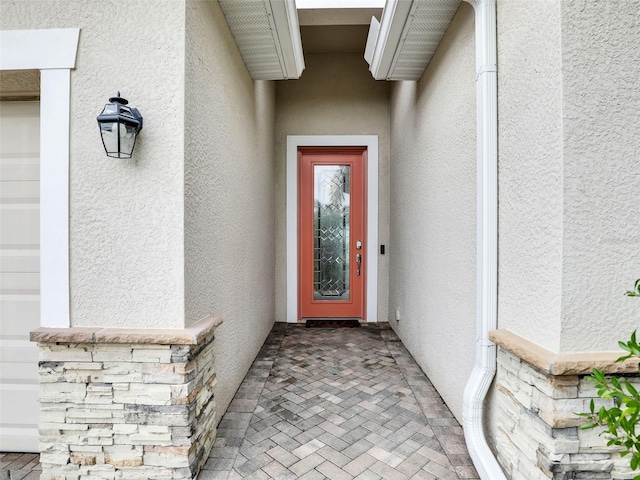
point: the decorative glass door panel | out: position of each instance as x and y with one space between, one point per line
331 248
331 232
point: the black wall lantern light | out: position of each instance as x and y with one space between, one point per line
119 127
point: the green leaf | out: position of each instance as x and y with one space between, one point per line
603 413
636 290
624 346
588 426
622 359
619 422
616 382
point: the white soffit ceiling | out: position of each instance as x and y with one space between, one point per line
268 37
409 34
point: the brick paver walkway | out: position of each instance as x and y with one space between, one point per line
340 404
19 466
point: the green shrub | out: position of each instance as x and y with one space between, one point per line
619 422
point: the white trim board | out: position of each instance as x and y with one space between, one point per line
53 52
38 49
293 143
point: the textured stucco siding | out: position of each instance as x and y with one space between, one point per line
569 143
569 146
335 96
530 170
229 195
601 135
126 216
433 212
568 154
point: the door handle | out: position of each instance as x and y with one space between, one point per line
358 263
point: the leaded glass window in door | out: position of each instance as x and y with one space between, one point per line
331 232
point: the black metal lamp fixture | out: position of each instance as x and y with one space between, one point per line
119 127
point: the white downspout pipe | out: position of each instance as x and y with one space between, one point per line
487 264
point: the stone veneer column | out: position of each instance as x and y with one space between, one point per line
537 395
126 403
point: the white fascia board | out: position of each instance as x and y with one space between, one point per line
38 49
372 37
287 30
394 18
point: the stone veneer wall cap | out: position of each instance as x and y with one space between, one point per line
561 363
192 335
70 335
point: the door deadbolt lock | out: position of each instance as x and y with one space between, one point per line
358 245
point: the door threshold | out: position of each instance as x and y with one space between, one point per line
333 323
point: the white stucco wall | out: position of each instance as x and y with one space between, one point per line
229 195
530 170
433 212
569 145
601 160
335 96
569 149
126 218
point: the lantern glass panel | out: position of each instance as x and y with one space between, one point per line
110 108
127 139
109 133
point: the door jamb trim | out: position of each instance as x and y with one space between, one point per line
371 144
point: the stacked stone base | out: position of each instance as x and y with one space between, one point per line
126 404
537 397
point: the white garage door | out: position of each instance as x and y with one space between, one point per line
19 274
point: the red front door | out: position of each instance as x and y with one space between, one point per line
332 246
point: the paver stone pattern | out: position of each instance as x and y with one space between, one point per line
337 403
19 466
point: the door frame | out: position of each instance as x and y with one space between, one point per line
371 143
